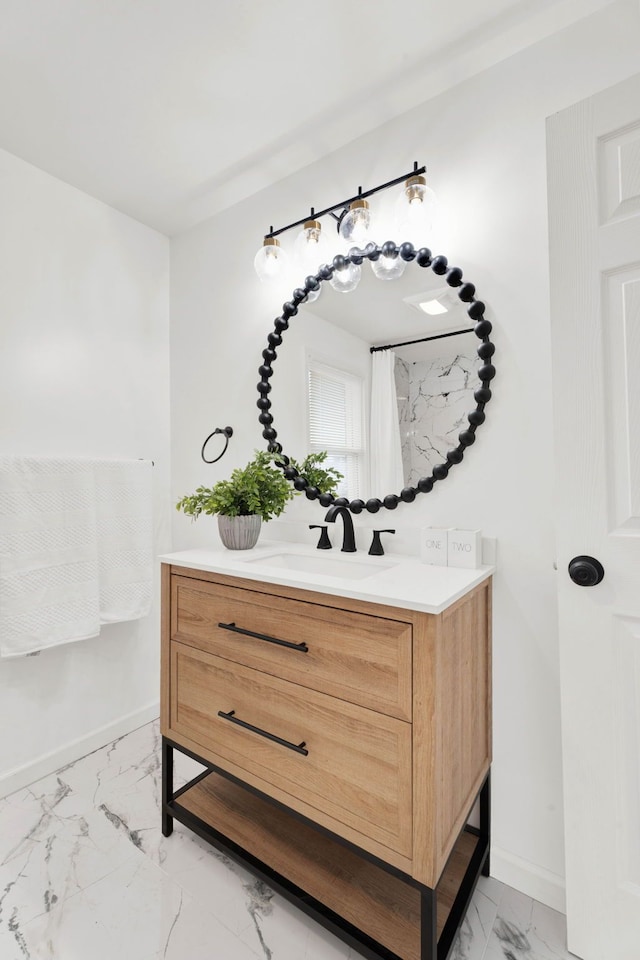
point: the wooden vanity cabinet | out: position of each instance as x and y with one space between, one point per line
345 744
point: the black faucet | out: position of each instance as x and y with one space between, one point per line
349 540
323 543
376 549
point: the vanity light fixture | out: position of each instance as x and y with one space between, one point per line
415 210
312 295
346 276
311 248
389 265
270 260
353 223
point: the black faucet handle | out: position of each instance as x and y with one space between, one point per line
376 549
323 543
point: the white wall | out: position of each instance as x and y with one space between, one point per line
84 371
484 144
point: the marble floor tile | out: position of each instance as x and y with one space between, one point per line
526 930
471 942
128 766
67 846
20 817
279 931
135 912
123 782
209 876
85 874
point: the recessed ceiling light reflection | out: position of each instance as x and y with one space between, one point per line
433 307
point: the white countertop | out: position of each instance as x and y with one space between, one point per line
394 580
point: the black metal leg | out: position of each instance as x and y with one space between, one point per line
485 822
167 787
428 928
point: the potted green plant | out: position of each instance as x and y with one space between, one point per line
253 493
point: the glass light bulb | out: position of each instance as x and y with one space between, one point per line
270 260
346 279
312 295
311 248
388 268
416 212
354 226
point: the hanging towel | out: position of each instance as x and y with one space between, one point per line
76 548
49 587
124 522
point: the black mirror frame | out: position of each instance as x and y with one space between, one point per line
486 372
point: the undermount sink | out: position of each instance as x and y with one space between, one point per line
325 565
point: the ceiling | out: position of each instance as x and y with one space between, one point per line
381 306
170 110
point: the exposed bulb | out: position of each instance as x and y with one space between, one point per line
347 278
270 260
354 226
312 295
388 268
415 212
311 247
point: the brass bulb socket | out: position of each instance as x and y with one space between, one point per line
413 187
270 242
359 205
312 225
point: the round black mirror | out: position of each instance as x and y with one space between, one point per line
486 372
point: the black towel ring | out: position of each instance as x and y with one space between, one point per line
228 432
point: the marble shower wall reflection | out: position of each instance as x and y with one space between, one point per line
434 398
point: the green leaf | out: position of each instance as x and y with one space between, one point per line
258 488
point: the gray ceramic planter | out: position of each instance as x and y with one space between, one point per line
239 533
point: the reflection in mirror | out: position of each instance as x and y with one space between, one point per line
434 396
336 421
425 324
433 380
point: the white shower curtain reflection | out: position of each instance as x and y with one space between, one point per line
385 468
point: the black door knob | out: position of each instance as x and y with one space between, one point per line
586 571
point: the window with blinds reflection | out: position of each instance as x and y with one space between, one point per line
336 423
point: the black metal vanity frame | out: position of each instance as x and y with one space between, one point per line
431 947
486 372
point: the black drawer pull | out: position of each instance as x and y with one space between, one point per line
300 647
298 747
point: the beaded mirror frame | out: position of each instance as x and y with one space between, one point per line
486 372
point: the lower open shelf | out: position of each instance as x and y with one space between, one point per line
330 881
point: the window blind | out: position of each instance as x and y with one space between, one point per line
335 423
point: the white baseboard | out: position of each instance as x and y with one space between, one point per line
528 878
48 763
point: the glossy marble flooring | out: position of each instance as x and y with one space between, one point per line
85 874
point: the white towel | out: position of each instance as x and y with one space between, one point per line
75 548
49 591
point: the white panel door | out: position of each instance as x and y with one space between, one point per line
594 222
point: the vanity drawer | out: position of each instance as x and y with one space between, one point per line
349 762
357 657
